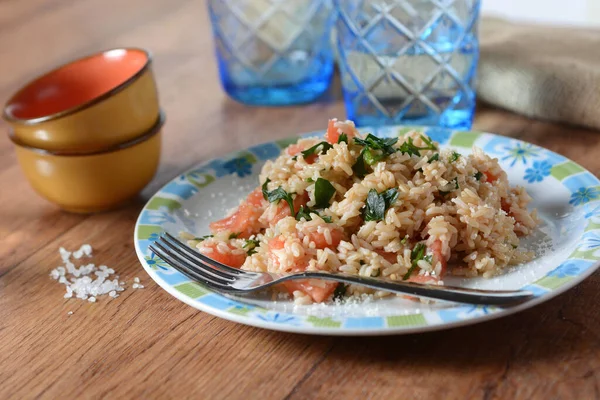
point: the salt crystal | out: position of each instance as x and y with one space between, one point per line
136 279
61 270
113 293
140 286
64 254
70 313
63 280
54 274
212 195
85 249
135 286
92 299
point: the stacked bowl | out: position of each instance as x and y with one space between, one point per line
87 134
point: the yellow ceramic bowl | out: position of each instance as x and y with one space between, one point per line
85 183
87 105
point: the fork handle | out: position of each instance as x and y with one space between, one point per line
448 293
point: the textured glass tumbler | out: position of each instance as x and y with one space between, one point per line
273 52
410 62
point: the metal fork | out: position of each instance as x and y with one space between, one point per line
222 278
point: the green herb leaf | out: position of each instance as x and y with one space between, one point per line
390 196
404 239
374 207
455 156
324 191
311 180
339 292
312 150
201 238
478 175
280 194
343 138
410 148
371 159
265 190
234 235
428 142
434 157
375 143
378 203
303 212
417 254
250 246
359 168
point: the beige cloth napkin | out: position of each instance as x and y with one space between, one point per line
540 71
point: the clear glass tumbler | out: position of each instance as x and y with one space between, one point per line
408 62
273 52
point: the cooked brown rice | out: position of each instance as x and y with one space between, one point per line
460 207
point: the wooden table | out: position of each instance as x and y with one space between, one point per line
146 344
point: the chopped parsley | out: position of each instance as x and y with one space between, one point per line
410 148
478 175
417 254
434 157
304 212
404 239
201 238
374 150
339 292
324 191
343 138
455 156
359 168
234 235
378 203
375 143
311 180
325 146
250 246
276 195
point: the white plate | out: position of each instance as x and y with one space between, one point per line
568 242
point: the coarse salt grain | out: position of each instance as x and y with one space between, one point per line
70 313
86 282
136 279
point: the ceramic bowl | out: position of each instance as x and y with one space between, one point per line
90 104
93 182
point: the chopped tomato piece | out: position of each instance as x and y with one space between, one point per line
321 241
233 260
244 221
333 133
392 258
318 293
436 249
490 177
256 198
423 279
296 149
283 208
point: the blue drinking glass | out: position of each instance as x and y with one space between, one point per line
273 52
409 62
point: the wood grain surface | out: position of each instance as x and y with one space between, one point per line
147 344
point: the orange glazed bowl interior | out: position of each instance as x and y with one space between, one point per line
89 104
75 84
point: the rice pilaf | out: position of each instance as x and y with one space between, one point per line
399 208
